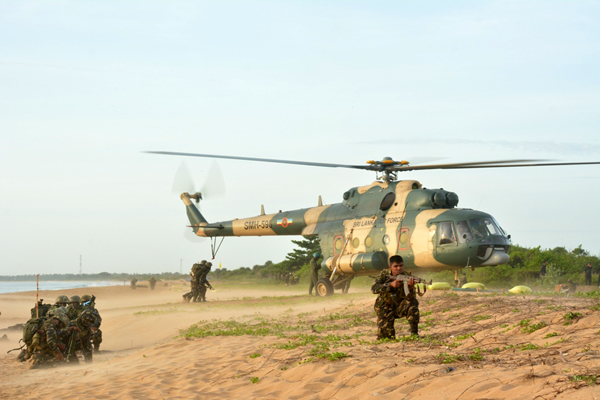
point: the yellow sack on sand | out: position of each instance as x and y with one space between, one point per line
439 286
521 290
473 285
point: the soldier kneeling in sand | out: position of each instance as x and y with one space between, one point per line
45 346
392 302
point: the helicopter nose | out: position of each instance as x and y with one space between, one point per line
498 257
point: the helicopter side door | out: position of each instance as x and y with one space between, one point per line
446 239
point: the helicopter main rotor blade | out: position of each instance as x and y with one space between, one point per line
271 160
492 164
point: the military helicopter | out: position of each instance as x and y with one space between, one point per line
373 222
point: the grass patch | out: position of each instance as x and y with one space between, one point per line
529 346
589 379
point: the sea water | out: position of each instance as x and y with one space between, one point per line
13 287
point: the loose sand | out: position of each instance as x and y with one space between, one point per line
473 346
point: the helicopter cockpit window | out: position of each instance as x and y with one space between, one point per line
463 231
484 227
446 233
387 201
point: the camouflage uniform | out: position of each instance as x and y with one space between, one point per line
194 290
82 338
96 333
152 283
203 282
388 307
46 346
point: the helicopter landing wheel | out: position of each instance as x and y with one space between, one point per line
324 287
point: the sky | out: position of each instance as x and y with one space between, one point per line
86 87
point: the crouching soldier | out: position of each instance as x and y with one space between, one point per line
74 308
392 302
88 303
80 336
45 346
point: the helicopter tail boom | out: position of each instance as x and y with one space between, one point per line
192 211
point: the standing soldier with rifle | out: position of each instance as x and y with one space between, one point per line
396 299
194 289
203 282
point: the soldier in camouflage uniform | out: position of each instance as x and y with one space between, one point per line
80 336
61 302
194 274
392 302
46 346
74 308
95 327
203 282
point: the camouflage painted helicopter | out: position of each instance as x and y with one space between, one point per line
387 217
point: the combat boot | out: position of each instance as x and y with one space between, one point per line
96 347
414 329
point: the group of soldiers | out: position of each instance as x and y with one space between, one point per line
199 282
152 281
58 332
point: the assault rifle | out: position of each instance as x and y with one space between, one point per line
405 278
71 344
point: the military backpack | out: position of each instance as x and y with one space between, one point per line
31 327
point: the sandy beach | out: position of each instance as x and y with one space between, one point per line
275 342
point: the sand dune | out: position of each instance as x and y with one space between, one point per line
473 346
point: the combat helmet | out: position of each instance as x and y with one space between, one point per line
62 299
202 262
86 318
316 254
85 297
61 316
209 264
75 299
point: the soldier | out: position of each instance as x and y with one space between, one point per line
203 282
74 308
543 270
133 282
392 302
314 272
197 271
588 274
61 302
80 336
45 344
152 282
194 274
89 304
